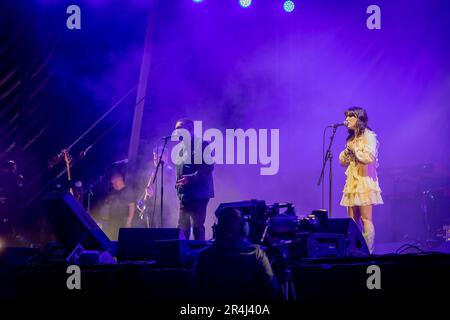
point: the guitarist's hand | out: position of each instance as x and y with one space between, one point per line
182 181
149 192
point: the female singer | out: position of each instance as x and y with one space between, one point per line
361 191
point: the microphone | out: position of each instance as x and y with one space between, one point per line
120 162
174 134
335 125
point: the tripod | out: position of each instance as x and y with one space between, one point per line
287 285
280 267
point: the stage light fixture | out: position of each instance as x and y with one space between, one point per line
245 3
289 6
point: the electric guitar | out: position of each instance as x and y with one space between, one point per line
148 192
68 160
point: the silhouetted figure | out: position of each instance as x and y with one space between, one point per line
232 268
119 208
11 220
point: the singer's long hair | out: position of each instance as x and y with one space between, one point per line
362 123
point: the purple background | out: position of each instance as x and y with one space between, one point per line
263 68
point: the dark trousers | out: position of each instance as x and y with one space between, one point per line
195 210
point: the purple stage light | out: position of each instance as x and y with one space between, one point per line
245 3
288 6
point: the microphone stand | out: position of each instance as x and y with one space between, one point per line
162 189
328 157
161 164
90 193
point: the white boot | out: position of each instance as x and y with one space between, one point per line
369 235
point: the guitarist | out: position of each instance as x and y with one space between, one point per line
194 187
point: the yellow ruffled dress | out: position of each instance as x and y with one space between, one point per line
361 187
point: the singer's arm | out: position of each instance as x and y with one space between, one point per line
366 150
345 157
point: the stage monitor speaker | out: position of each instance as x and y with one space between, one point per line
334 238
138 244
73 226
355 244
